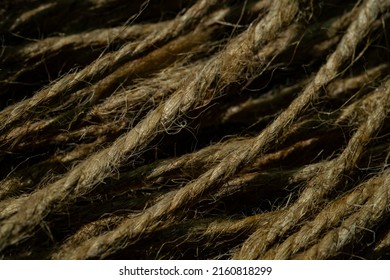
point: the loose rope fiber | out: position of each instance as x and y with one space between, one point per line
249 129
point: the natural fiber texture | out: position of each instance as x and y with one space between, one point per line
212 129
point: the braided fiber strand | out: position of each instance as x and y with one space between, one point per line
197 129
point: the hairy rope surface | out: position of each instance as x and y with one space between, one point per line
202 130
